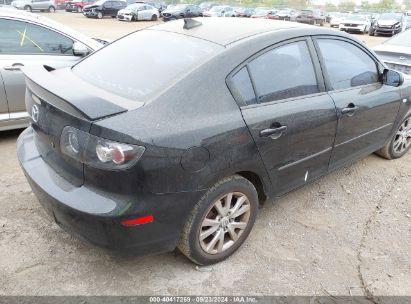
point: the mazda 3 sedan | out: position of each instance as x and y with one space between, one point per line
214 117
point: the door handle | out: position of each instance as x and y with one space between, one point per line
14 67
349 110
273 133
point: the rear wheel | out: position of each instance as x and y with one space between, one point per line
220 222
400 142
52 9
27 8
79 9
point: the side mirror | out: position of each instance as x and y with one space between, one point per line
392 78
80 49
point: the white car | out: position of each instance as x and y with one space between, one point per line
138 11
26 40
336 19
355 23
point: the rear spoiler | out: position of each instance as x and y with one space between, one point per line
91 106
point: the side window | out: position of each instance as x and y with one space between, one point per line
17 37
284 72
242 88
108 4
346 64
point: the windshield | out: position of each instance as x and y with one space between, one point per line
100 2
306 12
179 7
390 16
134 6
402 39
138 66
216 9
261 11
356 17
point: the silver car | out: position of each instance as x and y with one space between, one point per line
27 39
35 5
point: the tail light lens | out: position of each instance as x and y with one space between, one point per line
98 152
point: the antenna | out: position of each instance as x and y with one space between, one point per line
190 23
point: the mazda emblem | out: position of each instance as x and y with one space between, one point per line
402 58
35 113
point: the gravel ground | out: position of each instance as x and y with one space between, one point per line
347 234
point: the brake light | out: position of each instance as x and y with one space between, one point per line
138 221
98 152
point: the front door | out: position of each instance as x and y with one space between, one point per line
28 44
291 117
366 108
4 110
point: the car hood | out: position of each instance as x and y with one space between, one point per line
387 22
92 102
91 6
172 12
125 11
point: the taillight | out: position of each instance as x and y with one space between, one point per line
98 152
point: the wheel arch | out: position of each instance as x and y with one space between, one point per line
256 180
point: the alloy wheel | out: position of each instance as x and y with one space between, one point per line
225 221
402 139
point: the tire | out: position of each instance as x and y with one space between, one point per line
100 15
154 17
400 142
28 8
371 33
79 9
52 9
190 243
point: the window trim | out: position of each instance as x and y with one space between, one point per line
326 77
315 62
48 28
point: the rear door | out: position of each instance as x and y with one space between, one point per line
366 108
290 116
28 44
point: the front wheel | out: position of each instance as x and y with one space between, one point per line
79 9
400 142
154 17
52 9
27 8
100 15
220 222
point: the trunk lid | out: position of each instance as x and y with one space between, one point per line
53 104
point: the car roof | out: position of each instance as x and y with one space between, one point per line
26 16
224 31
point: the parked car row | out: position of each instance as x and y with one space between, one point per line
374 24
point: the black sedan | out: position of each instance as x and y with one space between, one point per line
182 11
215 117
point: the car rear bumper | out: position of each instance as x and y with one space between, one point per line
95 216
352 29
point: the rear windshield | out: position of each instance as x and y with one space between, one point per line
141 64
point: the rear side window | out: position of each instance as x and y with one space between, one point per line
284 72
18 37
242 87
346 64
137 66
